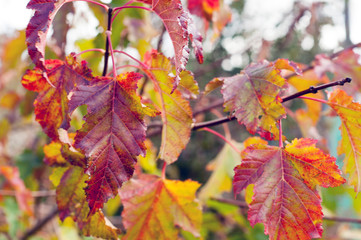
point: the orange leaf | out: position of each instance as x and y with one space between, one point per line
51 105
154 208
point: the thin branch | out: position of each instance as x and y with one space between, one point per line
108 33
347 23
212 123
313 89
218 121
243 204
40 224
46 193
106 55
341 219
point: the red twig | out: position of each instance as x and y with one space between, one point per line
222 137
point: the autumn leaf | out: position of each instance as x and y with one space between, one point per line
285 198
350 144
53 156
113 134
203 8
156 208
176 112
61 153
22 194
180 27
254 96
51 105
38 28
346 64
71 201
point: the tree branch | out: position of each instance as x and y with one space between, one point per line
46 193
243 204
106 55
311 89
40 224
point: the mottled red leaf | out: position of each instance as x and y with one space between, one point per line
176 111
38 28
71 201
285 198
156 208
254 96
113 134
51 105
180 27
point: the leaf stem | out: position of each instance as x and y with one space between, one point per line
313 89
314 99
117 10
41 223
90 50
133 58
163 170
280 142
109 33
94 2
108 42
222 137
139 7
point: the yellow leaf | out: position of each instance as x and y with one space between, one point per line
350 144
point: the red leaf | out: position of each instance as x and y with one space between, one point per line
254 96
51 105
113 134
180 27
38 27
285 197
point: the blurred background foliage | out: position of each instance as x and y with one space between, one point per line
255 30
